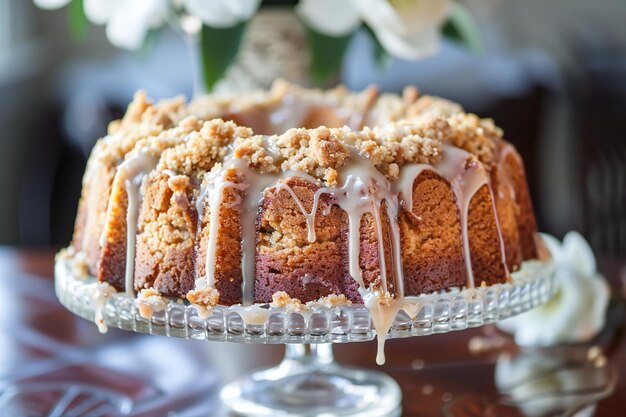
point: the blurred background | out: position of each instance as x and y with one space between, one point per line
552 75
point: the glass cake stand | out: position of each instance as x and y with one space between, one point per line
308 381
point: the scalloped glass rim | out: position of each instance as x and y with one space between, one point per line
424 315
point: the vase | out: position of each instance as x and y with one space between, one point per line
274 46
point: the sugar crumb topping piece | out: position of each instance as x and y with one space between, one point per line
252 150
281 299
431 105
318 152
385 299
204 297
203 147
148 302
475 135
330 301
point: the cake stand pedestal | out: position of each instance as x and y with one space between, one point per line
308 382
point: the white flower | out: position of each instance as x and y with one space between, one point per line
222 13
330 17
577 311
51 4
127 21
407 29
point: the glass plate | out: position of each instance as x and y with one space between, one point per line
308 382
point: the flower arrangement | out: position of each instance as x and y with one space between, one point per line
406 29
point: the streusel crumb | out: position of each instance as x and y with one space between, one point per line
251 150
475 135
202 148
434 106
204 297
330 301
281 299
317 152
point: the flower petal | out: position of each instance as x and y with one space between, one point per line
415 47
554 246
51 4
222 13
329 17
407 29
579 255
130 24
577 312
99 12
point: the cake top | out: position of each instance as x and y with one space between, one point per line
289 128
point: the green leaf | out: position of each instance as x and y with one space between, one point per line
461 28
381 56
326 54
218 49
77 19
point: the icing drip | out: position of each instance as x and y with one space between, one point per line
309 216
253 185
466 177
215 192
364 190
100 293
132 172
383 310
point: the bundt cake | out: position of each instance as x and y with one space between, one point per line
296 194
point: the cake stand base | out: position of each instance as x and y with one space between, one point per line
308 382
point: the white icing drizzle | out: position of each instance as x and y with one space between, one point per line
100 293
215 192
309 216
465 179
363 191
253 185
132 172
290 113
383 313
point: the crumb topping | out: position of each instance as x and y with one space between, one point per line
204 297
203 147
405 129
330 301
475 135
430 105
252 150
317 152
281 299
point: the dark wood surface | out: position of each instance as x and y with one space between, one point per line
44 349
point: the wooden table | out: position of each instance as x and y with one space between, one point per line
50 358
